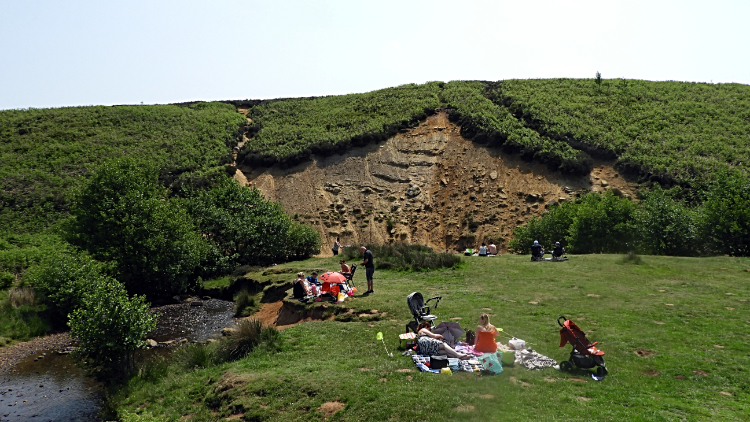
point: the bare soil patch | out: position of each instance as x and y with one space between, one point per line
486 396
330 407
583 399
644 353
700 372
679 377
652 372
465 408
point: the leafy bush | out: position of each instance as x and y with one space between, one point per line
63 279
121 215
245 229
602 224
667 226
110 326
727 214
404 257
595 223
553 226
6 279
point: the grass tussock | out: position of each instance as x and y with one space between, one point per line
405 257
20 318
631 258
244 304
21 296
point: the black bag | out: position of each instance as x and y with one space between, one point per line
470 337
437 362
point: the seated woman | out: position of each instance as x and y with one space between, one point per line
431 344
345 269
486 332
483 250
300 287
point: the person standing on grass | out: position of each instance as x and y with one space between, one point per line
336 247
367 261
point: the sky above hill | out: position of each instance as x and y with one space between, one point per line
127 52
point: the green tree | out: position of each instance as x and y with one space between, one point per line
246 229
666 226
63 279
122 215
727 214
603 224
110 326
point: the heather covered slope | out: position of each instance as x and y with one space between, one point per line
673 132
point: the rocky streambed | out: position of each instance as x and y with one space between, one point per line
39 381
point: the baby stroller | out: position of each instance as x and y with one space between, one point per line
419 311
584 354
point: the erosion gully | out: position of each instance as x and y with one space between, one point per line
49 386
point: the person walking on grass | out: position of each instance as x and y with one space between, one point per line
367 261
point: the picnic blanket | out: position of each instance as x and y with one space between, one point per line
456 365
531 359
467 349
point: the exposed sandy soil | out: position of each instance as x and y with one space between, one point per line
427 185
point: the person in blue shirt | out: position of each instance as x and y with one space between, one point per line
313 279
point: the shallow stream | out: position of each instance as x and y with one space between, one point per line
51 387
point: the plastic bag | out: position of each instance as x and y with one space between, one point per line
491 362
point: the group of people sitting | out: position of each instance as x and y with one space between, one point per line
310 287
483 250
432 344
537 251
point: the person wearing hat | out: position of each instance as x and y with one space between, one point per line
558 251
537 252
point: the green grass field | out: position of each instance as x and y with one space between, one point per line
691 313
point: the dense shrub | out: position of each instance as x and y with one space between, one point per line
602 224
46 151
404 257
122 215
6 279
595 223
63 279
245 229
726 211
110 326
667 226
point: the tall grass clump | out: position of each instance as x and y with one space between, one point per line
196 356
244 303
20 317
250 335
404 257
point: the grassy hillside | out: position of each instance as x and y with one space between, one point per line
687 317
671 132
674 131
46 152
289 131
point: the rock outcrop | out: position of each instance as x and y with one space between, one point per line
427 185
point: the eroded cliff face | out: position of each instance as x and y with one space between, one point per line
428 186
